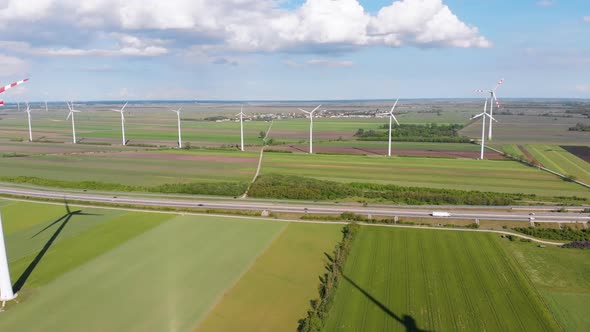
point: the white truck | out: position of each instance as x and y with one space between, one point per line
440 214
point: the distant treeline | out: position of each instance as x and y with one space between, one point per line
440 133
317 314
580 127
565 234
195 188
297 187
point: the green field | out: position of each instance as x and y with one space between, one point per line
274 294
425 280
145 168
113 270
465 174
561 276
561 161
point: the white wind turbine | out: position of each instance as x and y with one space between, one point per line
46 108
241 114
28 110
71 114
6 292
122 111
391 117
493 99
310 126
483 126
179 133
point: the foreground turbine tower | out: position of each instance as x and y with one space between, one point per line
241 114
12 85
122 111
71 114
391 117
493 99
310 126
483 126
28 110
179 133
6 293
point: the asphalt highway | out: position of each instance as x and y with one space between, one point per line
484 213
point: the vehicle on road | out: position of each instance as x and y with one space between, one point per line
440 214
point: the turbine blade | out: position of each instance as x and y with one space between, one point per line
491 117
394 119
479 115
302 110
122 108
69 114
315 109
180 108
498 85
394 105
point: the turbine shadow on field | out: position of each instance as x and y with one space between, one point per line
20 282
408 321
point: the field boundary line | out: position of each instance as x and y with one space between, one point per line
259 161
233 284
335 222
542 168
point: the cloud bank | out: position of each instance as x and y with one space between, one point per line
154 27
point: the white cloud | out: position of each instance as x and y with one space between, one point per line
12 66
319 62
546 3
232 25
583 88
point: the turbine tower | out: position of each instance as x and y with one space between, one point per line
6 292
241 114
46 108
310 126
483 126
28 110
122 111
71 114
179 133
493 99
391 117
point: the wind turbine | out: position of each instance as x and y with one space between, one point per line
71 114
179 133
122 111
483 126
391 117
493 98
310 126
241 114
46 108
28 110
6 292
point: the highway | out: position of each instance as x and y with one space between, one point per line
457 212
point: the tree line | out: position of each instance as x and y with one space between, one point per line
319 308
304 188
440 133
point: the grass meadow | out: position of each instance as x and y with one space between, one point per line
561 276
465 174
425 280
561 161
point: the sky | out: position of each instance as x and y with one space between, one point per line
293 49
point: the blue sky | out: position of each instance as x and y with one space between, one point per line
312 49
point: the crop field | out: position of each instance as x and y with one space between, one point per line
98 269
561 161
426 280
530 129
561 276
274 294
464 174
414 149
140 168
